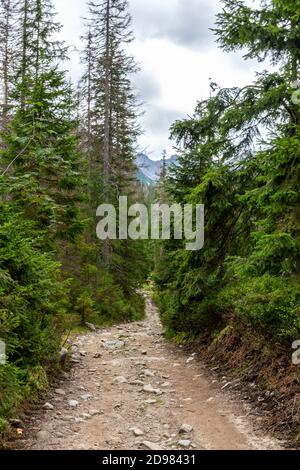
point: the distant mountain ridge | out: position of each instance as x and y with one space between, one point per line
149 170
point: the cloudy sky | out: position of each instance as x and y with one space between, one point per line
177 54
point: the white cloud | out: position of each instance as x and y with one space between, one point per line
177 54
185 22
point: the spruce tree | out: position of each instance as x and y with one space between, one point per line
111 108
40 191
41 158
240 157
109 134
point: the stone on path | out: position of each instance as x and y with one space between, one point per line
120 380
166 384
48 406
79 420
151 445
185 428
136 382
86 397
150 401
63 354
91 327
94 412
113 344
73 403
148 373
184 443
149 389
137 432
67 417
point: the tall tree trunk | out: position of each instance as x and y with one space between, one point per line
24 53
295 75
89 138
89 121
6 60
38 37
106 149
6 63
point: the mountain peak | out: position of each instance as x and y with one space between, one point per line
150 170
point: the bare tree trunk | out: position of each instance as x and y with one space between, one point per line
294 75
24 53
106 152
89 122
38 27
89 137
6 62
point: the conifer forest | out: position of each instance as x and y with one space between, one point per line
133 319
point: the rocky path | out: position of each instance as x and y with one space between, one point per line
130 389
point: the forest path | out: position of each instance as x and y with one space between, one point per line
131 389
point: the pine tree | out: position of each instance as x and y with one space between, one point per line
109 134
41 157
240 157
270 32
163 172
40 191
111 108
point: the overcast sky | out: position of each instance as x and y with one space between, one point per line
177 54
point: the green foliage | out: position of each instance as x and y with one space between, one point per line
33 296
33 303
107 302
248 271
109 273
10 393
267 304
52 277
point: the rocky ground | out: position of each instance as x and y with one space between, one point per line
131 389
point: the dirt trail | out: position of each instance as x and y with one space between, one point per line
131 389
